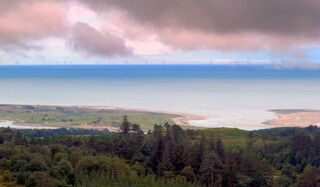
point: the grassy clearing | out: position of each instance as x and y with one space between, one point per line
225 132
229 136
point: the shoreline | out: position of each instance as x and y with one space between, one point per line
294 118
282 118
181 119
19 125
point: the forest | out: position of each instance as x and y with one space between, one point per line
166 156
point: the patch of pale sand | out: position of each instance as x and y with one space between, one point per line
81 126
19 123
99 127
249 125
186 118
297 119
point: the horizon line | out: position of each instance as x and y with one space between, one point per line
215 64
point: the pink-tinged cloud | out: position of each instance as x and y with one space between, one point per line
88 40
224 24
23 22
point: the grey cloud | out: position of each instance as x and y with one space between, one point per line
225 16
90 41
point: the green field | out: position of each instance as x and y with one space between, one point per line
229 136
75 116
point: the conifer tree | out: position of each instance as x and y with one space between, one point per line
220 149
125 126
211 170
177 132
229 178
199 149
157 149
18 139
166 161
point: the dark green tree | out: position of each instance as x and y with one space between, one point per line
309 177
136 128
125 126
198 154
220 150
211 170
229 178
177 132
258 180
157 149
250 140
188 173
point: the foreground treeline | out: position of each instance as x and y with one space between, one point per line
167 156
36 133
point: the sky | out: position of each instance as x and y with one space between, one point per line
160 31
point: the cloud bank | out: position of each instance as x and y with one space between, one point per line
224 25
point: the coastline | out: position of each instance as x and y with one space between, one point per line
179 118
19 125
294 118
183 119
282 118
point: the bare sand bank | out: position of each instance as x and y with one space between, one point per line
80 126
184 118
19 125
294 118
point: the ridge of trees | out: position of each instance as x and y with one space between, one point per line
166 156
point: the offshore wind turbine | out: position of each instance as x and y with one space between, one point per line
44 61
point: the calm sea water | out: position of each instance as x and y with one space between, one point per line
231 95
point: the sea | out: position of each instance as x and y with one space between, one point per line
236 96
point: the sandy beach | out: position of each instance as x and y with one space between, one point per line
294 118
